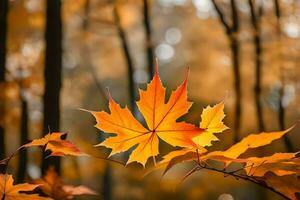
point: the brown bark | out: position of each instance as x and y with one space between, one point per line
125 47
149 43
281 109
52 75
255 20
22 169
3 36
232 32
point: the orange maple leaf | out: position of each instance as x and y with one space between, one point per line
56 143
53 186
9 191
160 118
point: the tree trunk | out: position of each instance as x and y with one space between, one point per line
3 35
234 46
107 183
149 43
255 20
22 170
281 109
52 75
235 50
106 178
231 31
125 47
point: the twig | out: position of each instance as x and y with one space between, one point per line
246 178
193 170
222 17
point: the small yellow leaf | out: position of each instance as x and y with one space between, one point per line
211 122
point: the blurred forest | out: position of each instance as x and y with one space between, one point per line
57 56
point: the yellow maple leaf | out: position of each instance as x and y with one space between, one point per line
211 122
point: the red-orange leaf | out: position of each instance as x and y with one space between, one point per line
53 186
56 143
160 118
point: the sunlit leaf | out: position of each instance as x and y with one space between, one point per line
160 118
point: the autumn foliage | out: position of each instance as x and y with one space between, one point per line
278 172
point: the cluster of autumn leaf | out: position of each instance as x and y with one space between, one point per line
49 186
279 172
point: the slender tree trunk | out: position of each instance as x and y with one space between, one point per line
125 47
255 20
52 75
232 33
106 179
3 35
22 170
107 183
149 43
281 109
235 48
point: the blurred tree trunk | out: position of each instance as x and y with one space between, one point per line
106 179
232 34
255 20
52 75
128 58
107 183
3 36
281 109
22 170
149 43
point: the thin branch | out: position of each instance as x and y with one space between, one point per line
243 177
222 17
234 16
192 171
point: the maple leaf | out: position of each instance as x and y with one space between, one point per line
9 191
279 163
211 122
288 185
160 118
176 157
56 143
249 142
53 186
